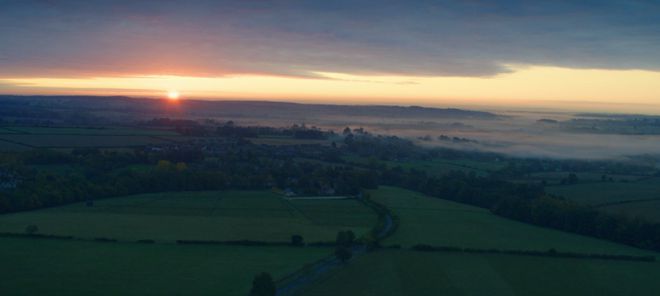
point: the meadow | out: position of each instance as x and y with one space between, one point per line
404 272
219 215
55 267
608 192
433 221
439 222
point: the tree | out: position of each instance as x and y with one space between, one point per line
263 285
297 240
181 166
347 131
31 229
343 253
164 165
345 238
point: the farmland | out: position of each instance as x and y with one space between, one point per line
609 192
220 216
438 222
229 202
53 267
425 220
394 272
638 199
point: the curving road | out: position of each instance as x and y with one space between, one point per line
323 266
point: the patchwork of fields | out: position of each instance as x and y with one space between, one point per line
52 267
418 273
223 216
83 267
608 192
634 199
433 221
440 222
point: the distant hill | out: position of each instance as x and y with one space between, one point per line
17 106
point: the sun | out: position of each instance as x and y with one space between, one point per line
173 95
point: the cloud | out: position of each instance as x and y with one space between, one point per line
300 38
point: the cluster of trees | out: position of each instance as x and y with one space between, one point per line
263 285
571 179
380 147
344 244
230 129
93 174
572 217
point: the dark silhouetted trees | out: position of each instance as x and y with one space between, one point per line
263 285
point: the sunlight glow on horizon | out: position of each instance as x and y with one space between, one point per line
173 95
526 86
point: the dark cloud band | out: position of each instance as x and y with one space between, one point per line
297 38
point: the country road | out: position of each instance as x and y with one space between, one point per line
330 263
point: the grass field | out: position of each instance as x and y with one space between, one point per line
439 222
417 273
227 215
49 267
599 193
426 220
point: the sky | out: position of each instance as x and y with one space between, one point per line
588 55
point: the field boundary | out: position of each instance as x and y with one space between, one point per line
17 143
623 202
551 253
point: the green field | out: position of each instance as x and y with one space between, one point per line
426 220
226 215
419 273
600 193
50 267
439 222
